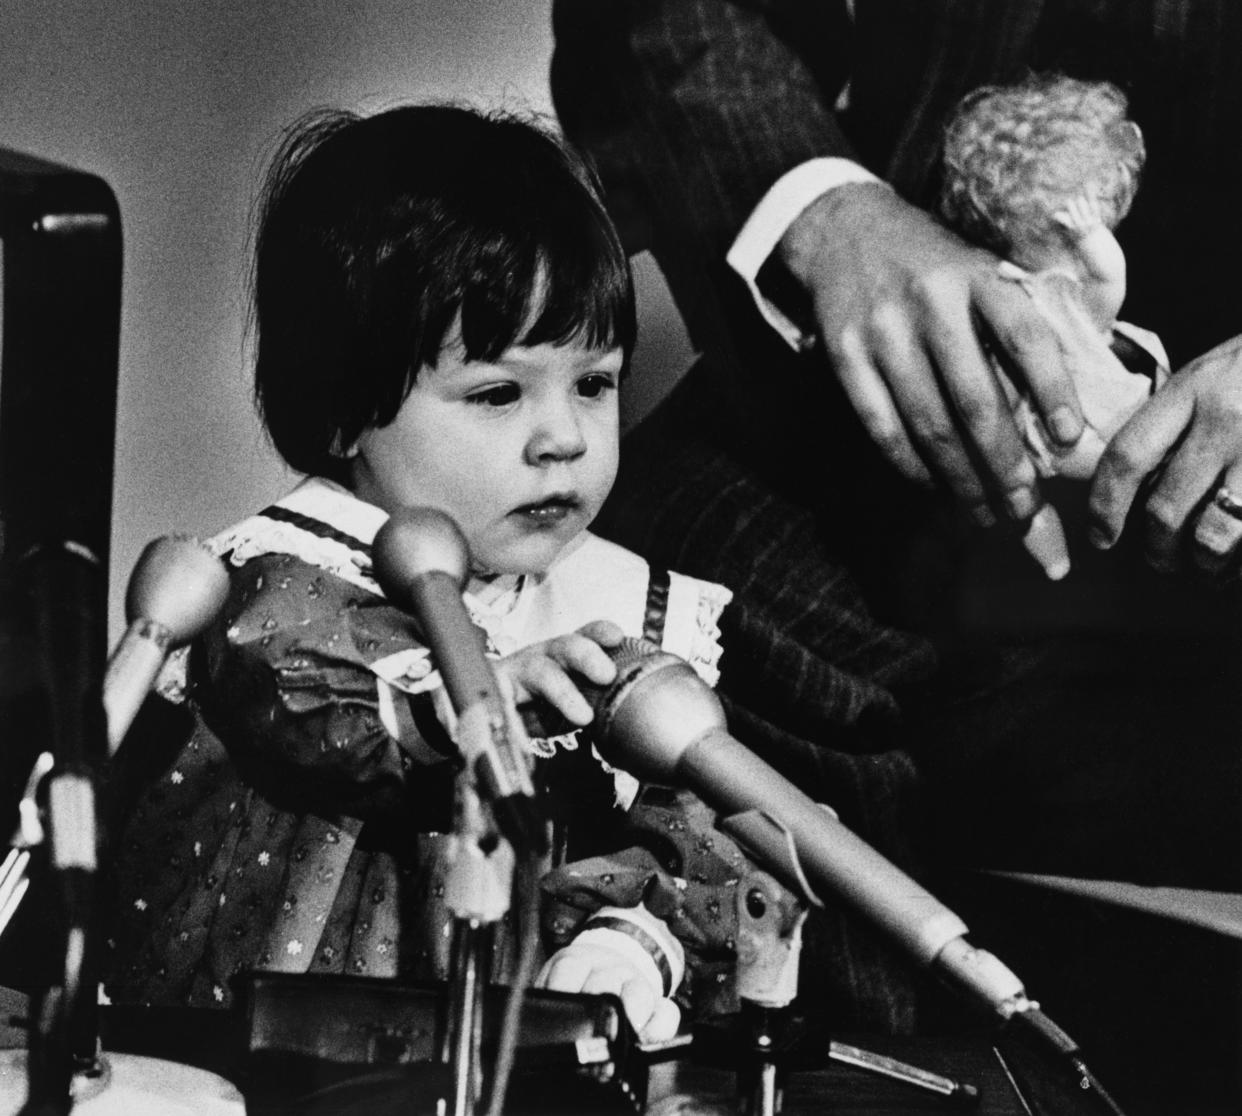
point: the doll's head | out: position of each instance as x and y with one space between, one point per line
1041 172
443 312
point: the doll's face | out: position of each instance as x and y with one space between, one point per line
521 451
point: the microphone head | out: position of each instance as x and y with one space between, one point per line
413 542
178 583
654 710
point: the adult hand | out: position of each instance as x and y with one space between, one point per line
903 306
1191 433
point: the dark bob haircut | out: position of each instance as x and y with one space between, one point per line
377 234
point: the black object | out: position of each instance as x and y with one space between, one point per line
339 1044
60 319
60 300
60 234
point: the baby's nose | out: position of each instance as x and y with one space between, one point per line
557 437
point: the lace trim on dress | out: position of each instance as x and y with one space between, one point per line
705 649
545 747
259 536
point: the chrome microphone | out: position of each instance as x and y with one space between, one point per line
660 721
421 561
177 588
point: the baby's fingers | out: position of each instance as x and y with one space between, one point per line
582 652
544 677
604 632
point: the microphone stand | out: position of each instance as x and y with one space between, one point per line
478 885
769 945
64 582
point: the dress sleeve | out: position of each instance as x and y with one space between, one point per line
287 677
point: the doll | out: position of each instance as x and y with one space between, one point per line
1042 172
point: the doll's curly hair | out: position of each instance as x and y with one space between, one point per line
1014 155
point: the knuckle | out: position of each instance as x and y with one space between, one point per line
843 346
934 288
885 321
1223 410
574 645
977 410
940 438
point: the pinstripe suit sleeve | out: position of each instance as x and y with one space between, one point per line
693 108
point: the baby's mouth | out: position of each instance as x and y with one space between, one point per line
553 510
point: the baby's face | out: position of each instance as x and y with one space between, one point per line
521 451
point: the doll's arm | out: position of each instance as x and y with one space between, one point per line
1092 242
629 952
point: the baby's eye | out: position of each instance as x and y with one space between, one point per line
596 384
498 395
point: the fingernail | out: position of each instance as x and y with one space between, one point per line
1045 542
1099 537
1021 502
1066 427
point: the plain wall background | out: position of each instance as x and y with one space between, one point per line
178 106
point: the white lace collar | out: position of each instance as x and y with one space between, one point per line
295 525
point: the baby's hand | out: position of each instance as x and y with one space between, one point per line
595 968
543 670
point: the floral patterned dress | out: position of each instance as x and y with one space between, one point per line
281 808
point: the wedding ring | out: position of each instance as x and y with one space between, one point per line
1228 502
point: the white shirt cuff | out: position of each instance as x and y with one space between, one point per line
779 207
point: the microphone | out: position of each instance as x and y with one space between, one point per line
177 588
420 561
661 722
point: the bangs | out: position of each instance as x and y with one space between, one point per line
549 268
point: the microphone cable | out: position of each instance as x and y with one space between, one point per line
1061 1044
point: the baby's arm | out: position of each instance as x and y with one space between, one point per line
629 951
